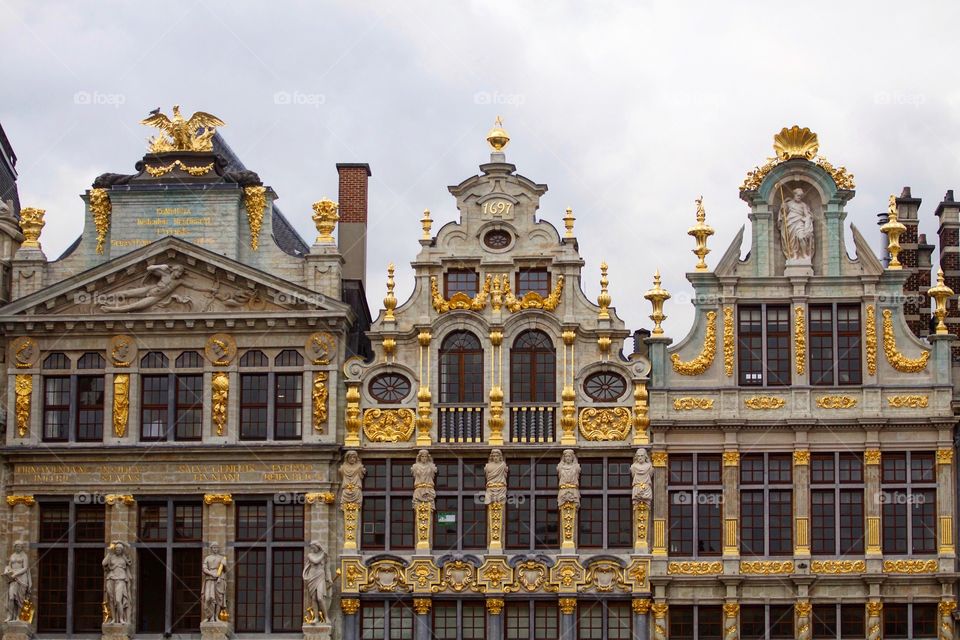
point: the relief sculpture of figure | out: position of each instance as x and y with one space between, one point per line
424 472
159 293
214 583
641 472
351 479
496 471
316 577
568 473
117 581
17 573
796 229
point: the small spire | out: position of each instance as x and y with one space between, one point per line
604 298
390 301
498 137
940 293
657 296
426 223
700 232
893 228
568 223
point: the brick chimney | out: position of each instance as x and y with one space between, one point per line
352 236
948 212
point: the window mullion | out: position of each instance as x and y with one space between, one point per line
271 404
73 413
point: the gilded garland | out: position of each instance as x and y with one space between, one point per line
765 402
728 341
703 361
160 171
909 402
320 395
255 202
101 209
800 339
24 390
531 299
896 359
605 424
460 300
221 392
121 403
871 333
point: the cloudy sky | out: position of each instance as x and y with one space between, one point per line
627 112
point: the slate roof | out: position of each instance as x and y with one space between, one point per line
8 173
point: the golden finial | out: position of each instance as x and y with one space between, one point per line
390 301
657 296
894 229
31 223
604 298
700 232
426 223
498 137
325 218
940 293
568 223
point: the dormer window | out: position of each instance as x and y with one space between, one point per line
466 281
535 279
763 345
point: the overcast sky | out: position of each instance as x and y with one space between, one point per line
628 113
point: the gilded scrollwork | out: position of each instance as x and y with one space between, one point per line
388 425
530 576
910 566
838 566
457 576
896 359
766 567
764 402
909 401
728 341
703 361
100 208
23 388
531 299
255 202
692 403
386 576
694 568
795 142
800 339
870 330
121 403
605 424
836 402
605 576
460 301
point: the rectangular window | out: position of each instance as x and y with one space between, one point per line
532 520
766 504
89 408
763 622
154 406
56 409
603 620
695 498
458 620
605 516
763 337
288 406
840 622
387 518
269 554
695 622
821 345
909 495
254 390
849 360
836 504
189 407
464 281
835 356
536 280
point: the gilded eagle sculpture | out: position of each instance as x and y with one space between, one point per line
180 134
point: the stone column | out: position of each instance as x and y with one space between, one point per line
947 626
641 619
421 623
801 503
731 505
215 531
945 503
802 610
568 618
731 621
659 620
871 477
874 620
351 620
494 618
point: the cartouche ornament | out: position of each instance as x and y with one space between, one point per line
940 293
657 296
325 218
497 137
893 228
700 232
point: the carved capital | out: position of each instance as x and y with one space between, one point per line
217 498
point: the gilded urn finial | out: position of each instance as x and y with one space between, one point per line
604 298
893 228
325 218
700 232
940 293
390 301
657 296
31 223
426 223
497 137
568 220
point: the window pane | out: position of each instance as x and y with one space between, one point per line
251 521
253 406
251 575
56 408
287 593
153 523
154 410
187 523
52 587
90 408
189 407
289 405
186 589
87 589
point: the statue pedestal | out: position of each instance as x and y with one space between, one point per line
317 631
114 631
795 268
214 630
17 630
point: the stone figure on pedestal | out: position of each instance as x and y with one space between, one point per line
424 473
214 591
796 229
316 578
117 582
568 473
641 472
17 573
496 471
352 472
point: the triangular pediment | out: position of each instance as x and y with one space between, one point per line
172 278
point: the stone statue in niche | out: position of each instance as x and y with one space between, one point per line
424 473
642 475
17 573
795 221
117 582
568 475
316 578
214 584
496 471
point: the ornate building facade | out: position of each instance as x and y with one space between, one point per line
207 436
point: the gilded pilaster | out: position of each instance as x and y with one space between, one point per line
659 460
731 621
801 503
731 503
871 477
802 610
945 501
874 620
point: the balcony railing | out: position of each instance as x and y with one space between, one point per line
533 423
460 424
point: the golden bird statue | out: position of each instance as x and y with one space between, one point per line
181 134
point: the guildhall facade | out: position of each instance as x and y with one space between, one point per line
208 436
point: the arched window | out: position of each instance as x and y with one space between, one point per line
154 360
461 368
533 368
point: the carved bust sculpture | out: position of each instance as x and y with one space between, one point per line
496 471
424 473
351 479
796 229
641 472
568 473
17 573
117 582
214 594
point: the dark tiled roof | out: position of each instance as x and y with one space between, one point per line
284 234
8 173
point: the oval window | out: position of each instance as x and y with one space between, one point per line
389 388
497 239
605 386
